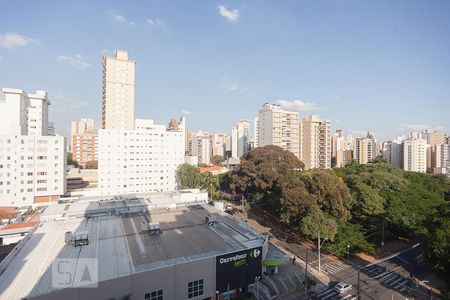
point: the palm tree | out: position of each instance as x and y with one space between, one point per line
210 183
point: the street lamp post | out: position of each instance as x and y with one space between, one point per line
348 251
318 246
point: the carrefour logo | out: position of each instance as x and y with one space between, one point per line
233 258
255 253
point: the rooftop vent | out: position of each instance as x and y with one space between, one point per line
81 238
154 228
211 220
68 237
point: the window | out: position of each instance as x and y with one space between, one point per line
195 288
155 295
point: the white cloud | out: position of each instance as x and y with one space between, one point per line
156 23
77 61
297 105
63 103
117 18
11 40
232 16
230 85
419 127
185 112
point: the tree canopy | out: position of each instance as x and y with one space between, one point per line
260 170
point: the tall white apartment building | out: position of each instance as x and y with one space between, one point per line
315 142
365 149
255 132
415 155
118 91
240 138
32 163
84 140
201 147
141 160
278 127
394 152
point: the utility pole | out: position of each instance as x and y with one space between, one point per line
348 252
306 272
319 245
382 236
359 271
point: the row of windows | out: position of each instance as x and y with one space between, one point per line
195 289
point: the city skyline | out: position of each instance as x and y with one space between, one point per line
384 86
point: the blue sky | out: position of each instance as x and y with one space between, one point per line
382 66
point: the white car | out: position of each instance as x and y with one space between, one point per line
343 287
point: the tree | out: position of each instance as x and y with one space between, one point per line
217 160
349 239
261 168
70 160
303 193
437 248
93 164
210 183
317 222
188 176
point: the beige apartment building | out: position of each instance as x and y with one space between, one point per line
118 91
84 141
278 127
315 142
365 149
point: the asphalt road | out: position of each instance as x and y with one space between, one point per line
386 279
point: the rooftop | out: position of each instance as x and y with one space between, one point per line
121 247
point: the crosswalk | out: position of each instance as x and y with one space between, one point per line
333 266
388 278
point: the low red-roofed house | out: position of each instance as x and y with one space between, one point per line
215 170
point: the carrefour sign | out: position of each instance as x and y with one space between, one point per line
238 269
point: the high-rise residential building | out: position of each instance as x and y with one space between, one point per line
32 163
335 139
201 147
341 152
140 160
434 137
365 149
440 159
240 138
255 132
278 127
218 144
84 140
393 153
315 142
118 91
135 156
415 155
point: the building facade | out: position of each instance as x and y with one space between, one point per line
365 149
415 155
315 143
240 138
32 163
118 91
84 140
278 127
141 160
201 147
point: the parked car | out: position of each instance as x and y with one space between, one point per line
343 287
